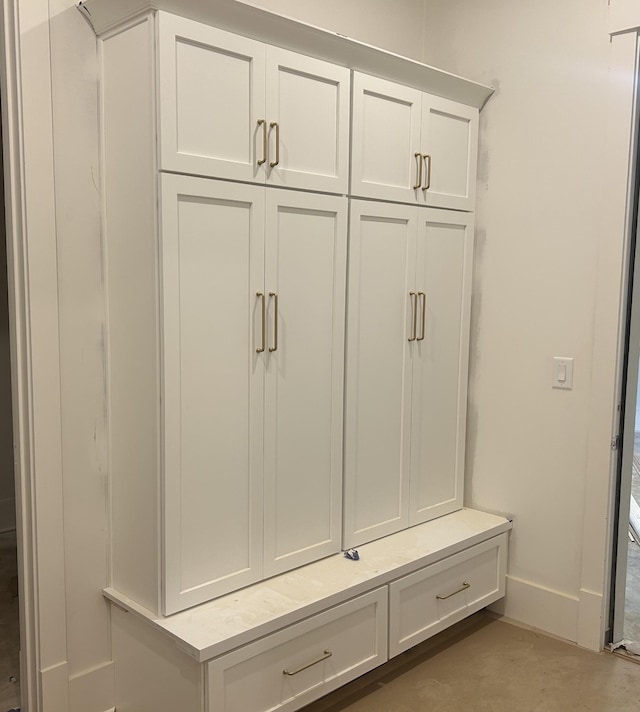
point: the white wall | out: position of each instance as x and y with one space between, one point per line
538 220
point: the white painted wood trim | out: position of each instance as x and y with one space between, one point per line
266 26
33 300
609 326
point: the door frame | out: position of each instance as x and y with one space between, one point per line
25 84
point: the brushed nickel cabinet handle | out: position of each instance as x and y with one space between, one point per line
275 322
263 123
427 160
414 305
419 157
260 296
325 655
423 298
464 587
275 124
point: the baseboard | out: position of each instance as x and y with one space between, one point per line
541 608
93 690
591 628
54 684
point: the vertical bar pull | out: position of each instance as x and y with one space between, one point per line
263 123
419 157
275 322
414 305
275 124
423 298
260 296
427 160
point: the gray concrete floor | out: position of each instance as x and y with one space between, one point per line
487 665
9 624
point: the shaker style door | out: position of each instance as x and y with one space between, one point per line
211 101
450 148
382 326
211 273
306 239
386 159
440 366
308 122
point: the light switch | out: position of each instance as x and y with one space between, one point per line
562 376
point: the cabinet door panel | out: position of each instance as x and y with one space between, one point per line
386 136
306 253
445 249
378 391
309 100
212 266
211 98
450 138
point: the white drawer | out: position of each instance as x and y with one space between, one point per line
428 601
298 664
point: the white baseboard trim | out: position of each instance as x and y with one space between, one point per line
93 690
591 628
54 688
541 608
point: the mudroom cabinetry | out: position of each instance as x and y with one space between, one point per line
411 146
408 314
231 107
234 308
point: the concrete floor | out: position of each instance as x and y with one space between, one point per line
9 624
487 665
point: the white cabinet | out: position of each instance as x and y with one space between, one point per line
408 316
252 313
410 146
299 664
428 601
306 243
234 108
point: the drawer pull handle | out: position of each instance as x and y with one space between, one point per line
419 157
276 125
423 298
414 307
427 160
326 654
263 123
275 324
260 296
464 587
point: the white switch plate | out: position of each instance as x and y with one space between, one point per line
562 376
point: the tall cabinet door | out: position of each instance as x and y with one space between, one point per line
308 113
450 145
385 140
445 253
212 265
211 102
305 282
382 321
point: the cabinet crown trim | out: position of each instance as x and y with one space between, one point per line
269 27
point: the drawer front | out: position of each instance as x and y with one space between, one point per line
428 601
289 669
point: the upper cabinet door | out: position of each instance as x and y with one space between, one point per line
440 366
382 321
305 276
211 101
385 140
308 122
212 243
450 149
